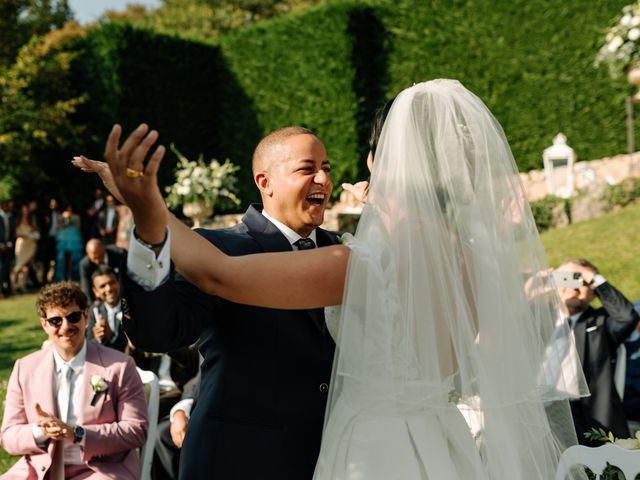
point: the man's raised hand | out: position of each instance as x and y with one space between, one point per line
137 182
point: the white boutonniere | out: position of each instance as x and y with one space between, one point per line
345 238
98 384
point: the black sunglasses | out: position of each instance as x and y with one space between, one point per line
73 317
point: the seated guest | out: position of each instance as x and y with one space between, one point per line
104 322
75 409
171 432
598 332
174 370
97 254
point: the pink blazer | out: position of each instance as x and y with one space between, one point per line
116 425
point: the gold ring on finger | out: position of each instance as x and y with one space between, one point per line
131 173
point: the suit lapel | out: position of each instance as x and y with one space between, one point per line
264 232
45 376
92 366
579 333
272 240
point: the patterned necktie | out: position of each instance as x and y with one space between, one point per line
305 244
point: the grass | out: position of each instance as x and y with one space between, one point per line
611 242
21 334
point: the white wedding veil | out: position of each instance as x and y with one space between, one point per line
446 298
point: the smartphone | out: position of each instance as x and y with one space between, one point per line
568 279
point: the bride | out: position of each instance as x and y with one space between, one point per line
434 315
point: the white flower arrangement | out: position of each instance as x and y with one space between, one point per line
601 435
196 181
621 49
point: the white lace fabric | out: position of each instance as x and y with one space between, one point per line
435 301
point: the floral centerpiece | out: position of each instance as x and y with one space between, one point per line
201 187
621 50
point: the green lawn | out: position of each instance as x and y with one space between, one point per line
21 334
611 242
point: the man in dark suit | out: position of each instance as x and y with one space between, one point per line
265 373
97 254
172 430
107 221
598 333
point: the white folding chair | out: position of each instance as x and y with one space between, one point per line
596 460
152 395
620 370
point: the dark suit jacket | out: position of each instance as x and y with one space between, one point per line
598 333
114 259
265 375
101 223
120 343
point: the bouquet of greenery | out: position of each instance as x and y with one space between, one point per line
621 49
213 184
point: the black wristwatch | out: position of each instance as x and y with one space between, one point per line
78 434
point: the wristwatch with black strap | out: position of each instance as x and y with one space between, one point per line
78 434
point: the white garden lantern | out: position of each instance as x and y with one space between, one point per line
559 160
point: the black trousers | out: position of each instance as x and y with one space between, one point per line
166 456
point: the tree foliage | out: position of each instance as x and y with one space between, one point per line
38 102
205 19
22 19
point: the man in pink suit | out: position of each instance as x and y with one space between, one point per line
75 409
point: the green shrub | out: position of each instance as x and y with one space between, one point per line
543 211
623 193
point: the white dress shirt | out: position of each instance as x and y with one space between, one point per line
72 451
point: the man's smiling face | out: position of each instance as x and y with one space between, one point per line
68 338
299 183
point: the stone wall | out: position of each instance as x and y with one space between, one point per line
587 174
590 178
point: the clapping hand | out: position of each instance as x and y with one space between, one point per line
52 426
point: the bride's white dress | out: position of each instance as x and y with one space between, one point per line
436 302
369 439
362 441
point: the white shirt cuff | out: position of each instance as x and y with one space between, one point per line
184 405
598 280
144 268
39 435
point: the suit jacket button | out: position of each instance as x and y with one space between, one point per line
43 468
324 388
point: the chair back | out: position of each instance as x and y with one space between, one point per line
596 460
152 395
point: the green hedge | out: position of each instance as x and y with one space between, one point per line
182 88
328 68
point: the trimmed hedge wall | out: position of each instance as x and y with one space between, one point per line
330 67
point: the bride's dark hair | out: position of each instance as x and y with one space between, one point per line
376 125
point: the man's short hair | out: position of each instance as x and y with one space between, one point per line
582 262
60 294
103 269
274 138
